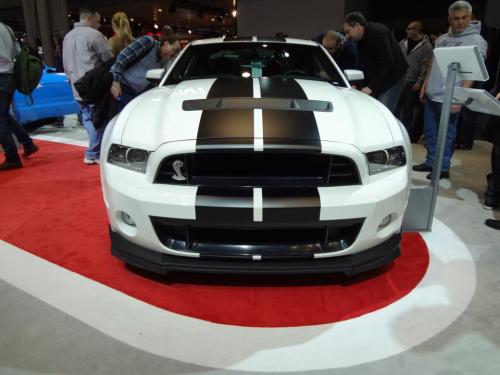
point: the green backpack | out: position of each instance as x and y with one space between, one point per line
28 71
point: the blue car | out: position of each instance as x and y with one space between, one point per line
51 99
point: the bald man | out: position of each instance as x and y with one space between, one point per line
342 50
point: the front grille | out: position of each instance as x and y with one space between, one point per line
259 169
266 241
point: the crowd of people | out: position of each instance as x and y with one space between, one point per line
401 75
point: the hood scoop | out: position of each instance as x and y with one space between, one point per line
284 104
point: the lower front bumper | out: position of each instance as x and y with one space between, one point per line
162 263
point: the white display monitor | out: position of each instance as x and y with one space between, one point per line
471 64
477 100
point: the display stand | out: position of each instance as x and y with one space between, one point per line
458 63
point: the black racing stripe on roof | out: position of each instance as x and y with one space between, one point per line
227 126
281 127
270 39
238 38
286 205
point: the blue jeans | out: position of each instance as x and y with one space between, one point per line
8 125
432 114
128 94
95 135
390 97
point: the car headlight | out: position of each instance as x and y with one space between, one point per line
131 158
385 160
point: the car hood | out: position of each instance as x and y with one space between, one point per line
182 112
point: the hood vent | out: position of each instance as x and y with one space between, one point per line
284 104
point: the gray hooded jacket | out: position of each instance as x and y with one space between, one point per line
418 59
469 37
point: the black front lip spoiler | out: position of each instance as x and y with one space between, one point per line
162 263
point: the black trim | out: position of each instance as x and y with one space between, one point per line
150 260
285 127
231 126
239 165
215 104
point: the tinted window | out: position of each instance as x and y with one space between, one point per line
254 60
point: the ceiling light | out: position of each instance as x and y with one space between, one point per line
155 26
234 13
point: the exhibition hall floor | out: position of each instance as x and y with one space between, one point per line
68 307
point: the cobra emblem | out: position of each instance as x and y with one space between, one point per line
178 176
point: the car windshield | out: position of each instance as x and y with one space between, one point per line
259 59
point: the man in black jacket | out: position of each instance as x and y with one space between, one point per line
380 57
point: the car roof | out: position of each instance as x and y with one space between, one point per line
253 39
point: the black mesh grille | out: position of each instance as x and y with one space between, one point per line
259 169
245 241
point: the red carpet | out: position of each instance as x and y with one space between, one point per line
53 208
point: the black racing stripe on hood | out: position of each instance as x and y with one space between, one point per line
288 127
227 126
224 206
287 205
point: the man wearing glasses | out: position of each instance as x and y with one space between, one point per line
132 63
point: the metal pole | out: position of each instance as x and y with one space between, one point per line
30 22
441 141
46 32
59 15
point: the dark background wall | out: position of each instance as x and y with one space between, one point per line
308 18
297 18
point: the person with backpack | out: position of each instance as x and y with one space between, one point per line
8 125
85 48
132 63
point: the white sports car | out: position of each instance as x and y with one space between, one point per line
255 155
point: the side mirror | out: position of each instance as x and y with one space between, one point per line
354 75
155 74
